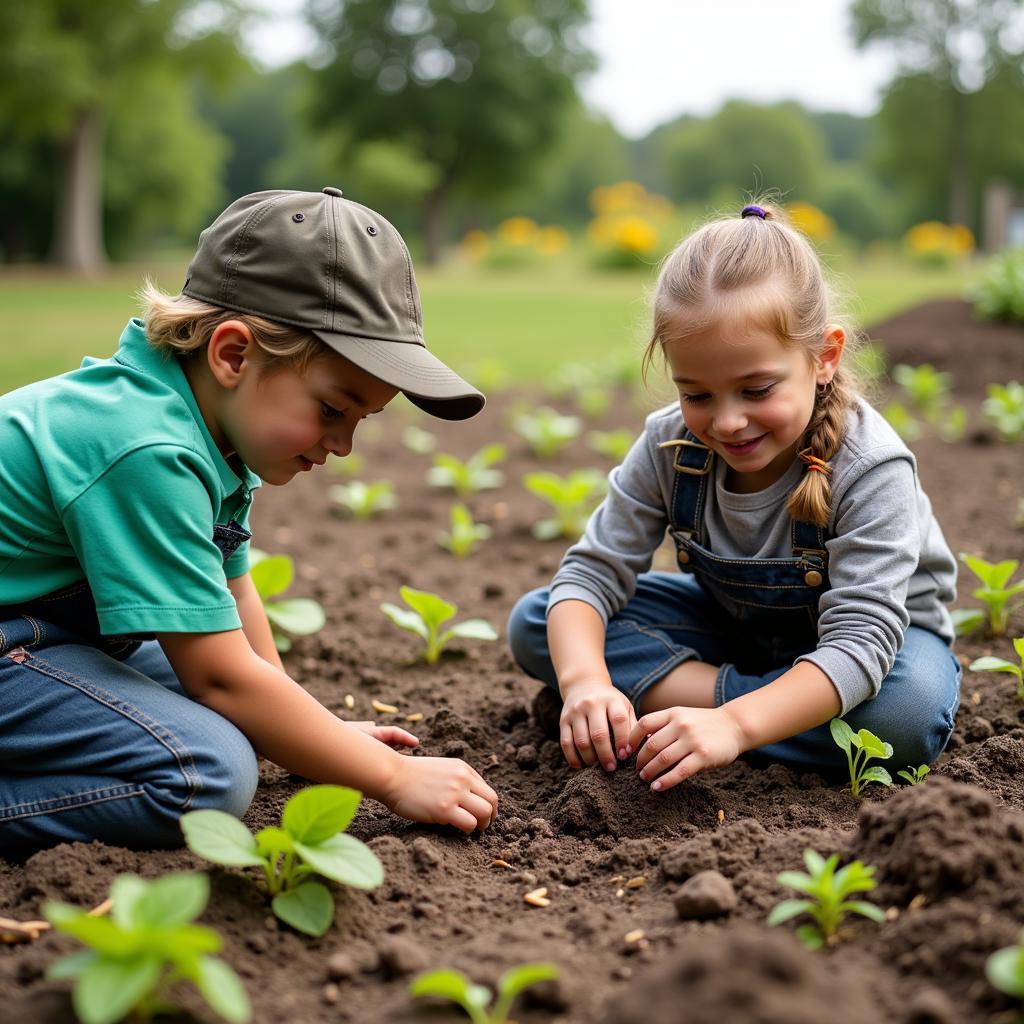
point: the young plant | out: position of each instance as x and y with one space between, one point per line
348 465
915 776
926 387
475 474
429 613
1005 969
272 575
996 593
573 498
418 440
465 534
1005 408
546 431
990 664
867 746
827 904
902 421
612 444
364 500
454 985
146 945
310 840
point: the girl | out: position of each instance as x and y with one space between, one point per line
137 668
813 574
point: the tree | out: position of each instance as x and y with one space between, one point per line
68 64
956 45
471 89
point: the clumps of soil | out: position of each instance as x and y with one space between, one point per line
940 839
997 765
747 974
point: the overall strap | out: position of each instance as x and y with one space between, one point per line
692 464
809 543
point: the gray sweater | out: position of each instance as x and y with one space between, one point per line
889 564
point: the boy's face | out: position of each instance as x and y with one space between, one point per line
282 421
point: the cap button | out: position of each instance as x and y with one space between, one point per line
332 191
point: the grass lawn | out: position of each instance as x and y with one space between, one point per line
530 322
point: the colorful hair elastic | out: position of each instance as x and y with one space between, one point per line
754 211
814 463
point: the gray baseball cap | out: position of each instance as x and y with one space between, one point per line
319 261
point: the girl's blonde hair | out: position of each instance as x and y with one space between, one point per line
181 325
762 270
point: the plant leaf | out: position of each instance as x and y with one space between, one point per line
220 838
876 773
810 936
864 909
309 908
223 990
344 859
126 890
966 620
788 909
108 989
172 900
432 609
72 965
796 880
473 629
1005 970
841 733
272 575
299 615
273 841
990 664
318 812
405 619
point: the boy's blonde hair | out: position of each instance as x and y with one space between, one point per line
763 270
182 325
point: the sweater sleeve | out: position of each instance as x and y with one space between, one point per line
620 539
873 555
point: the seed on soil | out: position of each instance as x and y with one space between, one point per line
917 902
416 716
350 701
975 698
538 897
721 816
892 914
499 863
12 931
100 909
617 878
384 709
637 882
633 936
331 993
620 892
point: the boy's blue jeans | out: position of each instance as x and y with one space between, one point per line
670 620
95 748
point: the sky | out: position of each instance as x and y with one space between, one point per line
662 58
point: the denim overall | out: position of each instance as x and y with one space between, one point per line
753 618
98 740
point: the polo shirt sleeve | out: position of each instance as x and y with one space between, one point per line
143 533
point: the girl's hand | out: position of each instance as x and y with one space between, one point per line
595 724
441 791
386 733
684 741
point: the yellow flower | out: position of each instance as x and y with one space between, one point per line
475 244
518 231
961 240
810 221
636 234
552 240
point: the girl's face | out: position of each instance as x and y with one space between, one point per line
281 421
748 397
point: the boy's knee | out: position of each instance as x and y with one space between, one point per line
228 777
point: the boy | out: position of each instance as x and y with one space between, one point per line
125 489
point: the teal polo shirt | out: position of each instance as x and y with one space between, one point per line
109 473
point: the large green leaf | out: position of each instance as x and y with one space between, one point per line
990 664
220 838
405 619
101 933
1005 970
344 859
125 891
841 733
309 908
514 980
472 629
299 615
318 812
272 575
223 990
172 900
876 773
432 609
108 989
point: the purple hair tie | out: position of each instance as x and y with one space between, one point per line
754 211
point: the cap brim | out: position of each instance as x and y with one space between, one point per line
418 374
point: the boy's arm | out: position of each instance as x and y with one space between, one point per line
254 619
291 728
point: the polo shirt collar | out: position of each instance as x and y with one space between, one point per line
134 350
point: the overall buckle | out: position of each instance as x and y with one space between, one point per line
692 470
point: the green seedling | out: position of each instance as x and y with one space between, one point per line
902 421
349 465
915 776
546 431
465 534
926 387
612 444
827 890
146 945
861 747
429 613
310 840
474 999
996 593
1005 408
990 664
273 575
418 440
1005 969
952 423
475 474
573 498
364 500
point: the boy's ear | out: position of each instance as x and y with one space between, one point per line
828 360
229 351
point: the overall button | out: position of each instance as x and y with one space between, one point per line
683 556
813 578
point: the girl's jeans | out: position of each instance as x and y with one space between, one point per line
95 748
670 620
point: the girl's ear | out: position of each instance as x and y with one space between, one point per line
828 359
229 352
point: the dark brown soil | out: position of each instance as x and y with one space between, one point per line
949 855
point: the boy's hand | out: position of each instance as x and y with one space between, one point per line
595 724
387 733
684 741
441 791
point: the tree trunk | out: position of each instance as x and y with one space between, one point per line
959 169
78 229
434 216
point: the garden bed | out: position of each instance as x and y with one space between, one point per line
949 854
